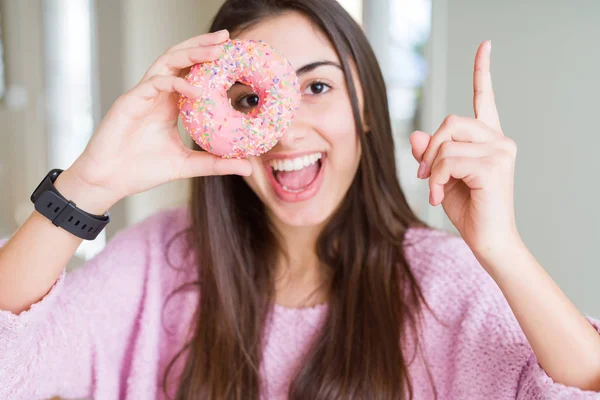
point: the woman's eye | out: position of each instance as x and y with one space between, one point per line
250 100
317 88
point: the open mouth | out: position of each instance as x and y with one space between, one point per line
296 178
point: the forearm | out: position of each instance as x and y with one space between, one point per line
32 260
566 345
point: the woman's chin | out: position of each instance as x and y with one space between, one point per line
306 215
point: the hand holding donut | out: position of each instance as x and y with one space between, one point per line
137 145
470 166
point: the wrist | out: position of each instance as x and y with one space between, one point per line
89 198
501 257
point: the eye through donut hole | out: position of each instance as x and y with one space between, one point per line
243 98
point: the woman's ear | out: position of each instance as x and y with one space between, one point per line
365 123
366 128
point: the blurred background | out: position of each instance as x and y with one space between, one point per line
63 63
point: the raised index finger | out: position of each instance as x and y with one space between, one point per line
484 103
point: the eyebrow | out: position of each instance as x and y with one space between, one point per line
312 66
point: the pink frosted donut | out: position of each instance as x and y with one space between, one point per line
211 120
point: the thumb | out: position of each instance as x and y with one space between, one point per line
419 142
202 163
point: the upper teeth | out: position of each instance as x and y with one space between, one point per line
295 164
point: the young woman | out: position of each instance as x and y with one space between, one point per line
325 287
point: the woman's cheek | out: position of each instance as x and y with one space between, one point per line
338 128
333 113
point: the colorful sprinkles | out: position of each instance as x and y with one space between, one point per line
211 120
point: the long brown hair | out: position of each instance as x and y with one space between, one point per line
374 298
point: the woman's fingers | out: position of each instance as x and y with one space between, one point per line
461 168
201 163
171 63
462 149
458 129
139 100
419 141
207 39
165 84
474 163
443 166
200 48
484 103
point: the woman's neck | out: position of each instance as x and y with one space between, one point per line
300 277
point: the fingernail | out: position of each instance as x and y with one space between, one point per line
220 32
430 198
422 168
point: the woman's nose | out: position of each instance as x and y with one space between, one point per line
294 135
298 130
291 138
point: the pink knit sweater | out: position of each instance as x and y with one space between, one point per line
102 331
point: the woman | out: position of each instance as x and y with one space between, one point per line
314 284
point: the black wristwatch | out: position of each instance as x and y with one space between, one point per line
64 213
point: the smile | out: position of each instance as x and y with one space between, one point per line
296 177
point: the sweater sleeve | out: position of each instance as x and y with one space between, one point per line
79 335
535 384
490 343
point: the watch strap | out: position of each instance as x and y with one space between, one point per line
64 213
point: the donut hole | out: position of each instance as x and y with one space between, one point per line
244 98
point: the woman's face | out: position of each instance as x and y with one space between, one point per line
303 179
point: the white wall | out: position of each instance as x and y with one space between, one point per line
22 134
545 67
